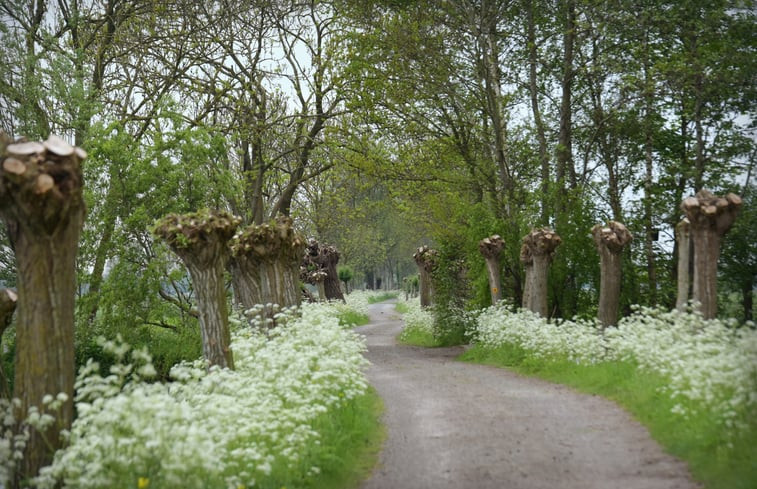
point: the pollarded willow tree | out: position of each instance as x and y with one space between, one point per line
321 261
491 249
42 206
200 240
540 245
610 241
710 217
426 259
266 262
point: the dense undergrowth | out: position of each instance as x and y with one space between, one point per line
296 412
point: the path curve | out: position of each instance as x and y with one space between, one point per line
456 425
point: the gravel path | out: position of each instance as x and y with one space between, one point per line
462 426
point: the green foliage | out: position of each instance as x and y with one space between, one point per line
351 440
717 460
383 296
450 295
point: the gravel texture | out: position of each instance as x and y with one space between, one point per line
457 425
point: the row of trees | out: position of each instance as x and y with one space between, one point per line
501 115
377 125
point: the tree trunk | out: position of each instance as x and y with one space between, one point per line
710 217
425 258
610 241
214 316
8 300
541 245
200 239
42 206
267 261
536 111
491 248
564 152
683 235
528 272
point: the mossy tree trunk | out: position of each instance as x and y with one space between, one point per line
610 241
541 244
41 204
710 217
425 258
200 240
491 249
683 235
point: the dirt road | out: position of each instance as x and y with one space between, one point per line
456 425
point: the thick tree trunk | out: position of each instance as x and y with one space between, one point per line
541 244
42 206
610 241
200 239
214 316
683 235
710 217
425 258
267 260
491 248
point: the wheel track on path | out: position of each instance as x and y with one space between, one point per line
456 425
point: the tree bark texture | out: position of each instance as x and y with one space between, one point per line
200 240
491 249
528 266
683 236
425 258
319 268
610 241
41 204
266 266
541 244
710 217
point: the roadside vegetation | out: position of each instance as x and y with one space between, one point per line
295 412
691 381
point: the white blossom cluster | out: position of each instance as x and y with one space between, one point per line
709 364
417 319
222 428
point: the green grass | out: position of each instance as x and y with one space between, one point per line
417 337
385 296
401 308
353 318
351 439
714 459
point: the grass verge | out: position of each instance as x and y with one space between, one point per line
418 337
713 458
348 449
385 296
353 318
